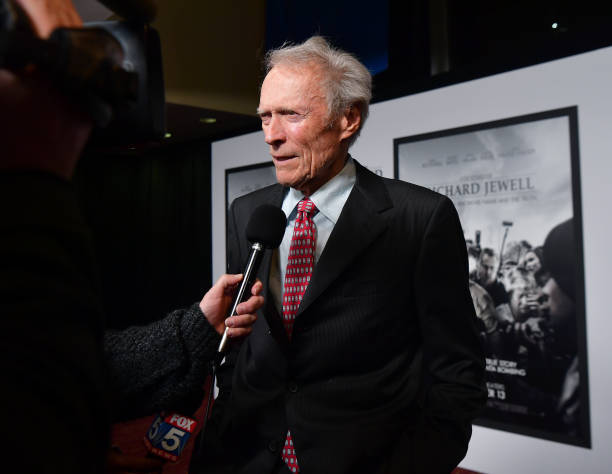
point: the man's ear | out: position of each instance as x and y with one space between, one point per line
350 121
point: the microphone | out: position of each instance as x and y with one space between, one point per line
264 230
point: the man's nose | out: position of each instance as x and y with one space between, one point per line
274 131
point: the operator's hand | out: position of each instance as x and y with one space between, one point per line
217 302
46 15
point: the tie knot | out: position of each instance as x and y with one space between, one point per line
307 206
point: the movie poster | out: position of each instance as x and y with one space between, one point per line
515 184
246 179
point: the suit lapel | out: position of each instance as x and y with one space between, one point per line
360 223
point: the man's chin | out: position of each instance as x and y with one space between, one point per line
290 181
286 182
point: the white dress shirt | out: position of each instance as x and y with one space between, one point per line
329 200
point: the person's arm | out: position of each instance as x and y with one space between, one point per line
159 366
453 360
164 365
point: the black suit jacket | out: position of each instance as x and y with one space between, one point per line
384 372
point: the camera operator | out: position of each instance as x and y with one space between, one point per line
54 361
55 414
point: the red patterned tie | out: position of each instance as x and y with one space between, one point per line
297 277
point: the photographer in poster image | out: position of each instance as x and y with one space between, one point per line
530 339
487 271
559 256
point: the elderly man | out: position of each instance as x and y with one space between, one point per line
366 359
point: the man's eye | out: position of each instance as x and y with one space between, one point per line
293 116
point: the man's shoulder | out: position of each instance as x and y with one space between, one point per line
405 193
399 190
405 187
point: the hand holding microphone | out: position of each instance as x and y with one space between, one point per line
216 303
264 230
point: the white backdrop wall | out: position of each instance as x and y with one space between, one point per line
585 81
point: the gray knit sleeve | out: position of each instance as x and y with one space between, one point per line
161 366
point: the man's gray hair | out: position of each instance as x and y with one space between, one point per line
346 81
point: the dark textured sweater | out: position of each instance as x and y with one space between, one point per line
162 366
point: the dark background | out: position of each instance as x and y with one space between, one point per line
149 203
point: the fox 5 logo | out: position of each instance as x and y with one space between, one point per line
170 434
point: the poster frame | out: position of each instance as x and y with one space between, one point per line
584 440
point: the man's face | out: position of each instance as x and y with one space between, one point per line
557 304
486 269
306 148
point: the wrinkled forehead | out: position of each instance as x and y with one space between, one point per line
287 84
305 70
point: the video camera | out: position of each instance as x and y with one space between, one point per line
113 69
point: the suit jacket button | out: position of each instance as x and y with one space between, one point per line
273 446
293 387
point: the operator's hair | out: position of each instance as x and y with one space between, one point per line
346 81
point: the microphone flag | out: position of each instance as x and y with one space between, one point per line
168 435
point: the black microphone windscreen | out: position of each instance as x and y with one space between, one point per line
267 226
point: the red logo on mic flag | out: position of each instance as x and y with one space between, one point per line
181 422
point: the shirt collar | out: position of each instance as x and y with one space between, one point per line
329 198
